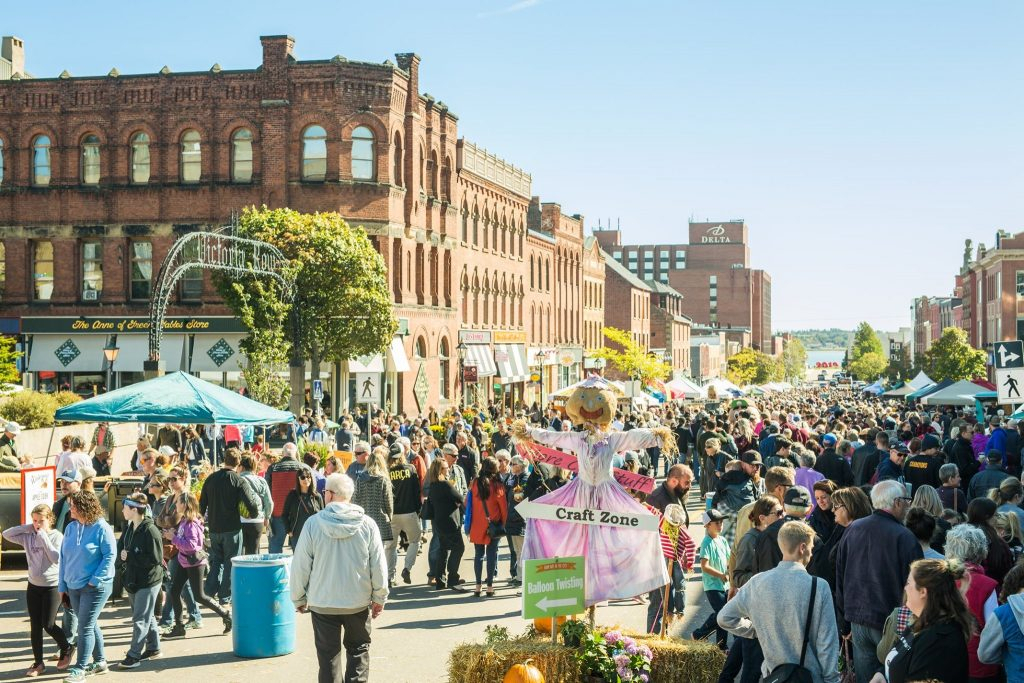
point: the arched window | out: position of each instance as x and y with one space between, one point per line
1 162
465 223
396 171
191 157
432 175
531 271
420 350
241 156
41 161
314 154
140 159
423 170
363 156
442 353
476 227
446 180
90 160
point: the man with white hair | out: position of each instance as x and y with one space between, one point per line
9 461
339 576
872 562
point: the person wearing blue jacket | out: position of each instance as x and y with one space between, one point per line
997 438
86 577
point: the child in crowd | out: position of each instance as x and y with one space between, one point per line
714 564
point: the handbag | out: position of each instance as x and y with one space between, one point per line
495 530
797 673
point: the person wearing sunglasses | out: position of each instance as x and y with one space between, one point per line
302 503
141 556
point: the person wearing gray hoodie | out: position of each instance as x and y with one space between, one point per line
1002 639
339 575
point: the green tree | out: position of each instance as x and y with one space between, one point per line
742 367
341 297
8 360
794 360
865 341
952 357
769 369
868 366
630 358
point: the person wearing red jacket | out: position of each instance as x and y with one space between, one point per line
489 505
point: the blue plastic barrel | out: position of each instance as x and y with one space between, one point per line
262 611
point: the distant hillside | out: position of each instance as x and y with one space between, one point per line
824 339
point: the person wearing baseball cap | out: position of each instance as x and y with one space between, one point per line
923 468
831 464
796 504
9 449
714 567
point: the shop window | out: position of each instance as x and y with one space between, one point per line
191 157
42 271
191 283
41 161
92 271
241 156
142 270
90 160
363 156
140 159
314 154
445 367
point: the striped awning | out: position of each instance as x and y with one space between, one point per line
480 356
511 362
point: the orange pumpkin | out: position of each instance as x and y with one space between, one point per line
524 673
544 625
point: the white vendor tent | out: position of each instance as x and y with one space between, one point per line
961 393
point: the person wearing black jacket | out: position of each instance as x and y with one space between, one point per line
833 465
405 487
222 493
866 458
923 468
443 500
962 456
501 440
767 554
515 525
140 553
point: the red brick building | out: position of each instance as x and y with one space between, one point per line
993 291
712 271
101 174
628 302
670 328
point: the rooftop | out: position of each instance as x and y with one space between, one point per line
622 272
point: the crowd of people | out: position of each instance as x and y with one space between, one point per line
878 539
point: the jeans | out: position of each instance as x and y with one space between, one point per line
43 602
173 569
224 545
327 637
449 555
745 654
491 550
865 659
717 601
88 602
251 534
409 522
278 532
433 552
194 577
676 599
145 633
515 546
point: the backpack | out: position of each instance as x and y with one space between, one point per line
797 673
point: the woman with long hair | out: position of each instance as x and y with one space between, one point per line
936 645
86 578
1008 496
140 552
489 507
375 495
848 505
188 540
980 513
168 518
927 497
823 517
442 505
302 503
42 552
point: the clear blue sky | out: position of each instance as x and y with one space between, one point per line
862 141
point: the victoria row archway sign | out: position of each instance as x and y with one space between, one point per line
221 251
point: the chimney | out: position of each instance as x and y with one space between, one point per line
277 50
410 63
13 50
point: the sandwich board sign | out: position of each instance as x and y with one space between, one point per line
553 587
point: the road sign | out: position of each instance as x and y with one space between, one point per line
645 521
553 587
1010 385
318 390
1008 354
368 387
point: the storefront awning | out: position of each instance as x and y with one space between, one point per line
67 353
133 351
217 353
398 361
511 362
480 356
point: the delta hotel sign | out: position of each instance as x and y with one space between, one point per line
715 235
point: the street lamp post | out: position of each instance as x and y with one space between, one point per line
110 352
542 355
461 350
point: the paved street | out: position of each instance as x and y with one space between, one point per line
411 640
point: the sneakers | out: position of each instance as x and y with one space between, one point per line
177 631
194 625
129 662
150 654
406 576
97 669
75 675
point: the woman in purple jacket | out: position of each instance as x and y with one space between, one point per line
188 539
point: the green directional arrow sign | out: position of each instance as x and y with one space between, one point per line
553 587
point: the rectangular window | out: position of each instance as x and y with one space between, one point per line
191 282
1020 283
648 256
92 270
713 280
632 256
42 270
617 255
663 277
680 254
142 270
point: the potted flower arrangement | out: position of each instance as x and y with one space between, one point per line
613 658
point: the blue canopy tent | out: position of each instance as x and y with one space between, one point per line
928 390
177 398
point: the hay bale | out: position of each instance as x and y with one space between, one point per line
674 661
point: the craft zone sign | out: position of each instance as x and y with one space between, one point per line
645 521
566 461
